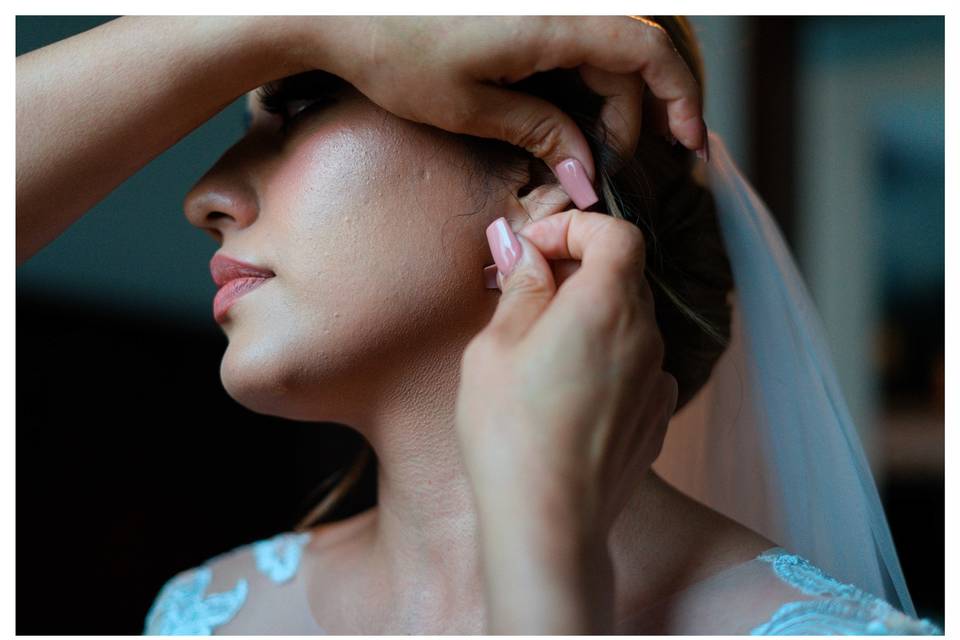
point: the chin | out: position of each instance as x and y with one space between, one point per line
285 382
251 384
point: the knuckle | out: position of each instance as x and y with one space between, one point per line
633 235
630 251
527 283
655 32
606 304
538 133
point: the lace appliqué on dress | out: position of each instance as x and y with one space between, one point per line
182 609
848 611
279 557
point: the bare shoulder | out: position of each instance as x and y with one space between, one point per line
692 542
718 577
701 559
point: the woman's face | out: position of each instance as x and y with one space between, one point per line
370 223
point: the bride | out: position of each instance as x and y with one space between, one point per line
514 410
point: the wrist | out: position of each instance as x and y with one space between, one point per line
305 43
263 48
539 500
540 581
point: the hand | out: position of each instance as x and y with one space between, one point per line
563 391
563 404
448 72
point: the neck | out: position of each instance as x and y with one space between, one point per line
424 539
421 546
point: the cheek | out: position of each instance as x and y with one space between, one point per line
372 253
366 227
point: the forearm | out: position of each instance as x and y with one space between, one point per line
543 574
95 108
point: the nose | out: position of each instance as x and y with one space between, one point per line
224 199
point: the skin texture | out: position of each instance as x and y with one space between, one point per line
356 212
582 405
361 216
378 290
169 74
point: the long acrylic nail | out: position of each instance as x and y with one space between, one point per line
704 152
490 276
503 245
575 182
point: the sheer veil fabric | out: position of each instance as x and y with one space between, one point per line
769 440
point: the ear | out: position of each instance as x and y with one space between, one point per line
545 200
542 201
531 203
541 196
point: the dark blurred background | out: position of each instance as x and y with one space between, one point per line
133 463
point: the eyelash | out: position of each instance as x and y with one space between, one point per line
276 99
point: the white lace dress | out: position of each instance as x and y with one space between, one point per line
256 589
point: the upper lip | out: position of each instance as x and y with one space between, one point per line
224 269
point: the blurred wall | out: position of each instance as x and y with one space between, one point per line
871 93
725 47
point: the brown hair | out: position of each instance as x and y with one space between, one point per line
657 189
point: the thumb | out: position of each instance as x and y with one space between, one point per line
541 128
526 282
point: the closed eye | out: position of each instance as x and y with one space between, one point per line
293 97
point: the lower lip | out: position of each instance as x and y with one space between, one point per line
229 292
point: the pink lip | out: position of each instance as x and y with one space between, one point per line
234 278
229 293
224 268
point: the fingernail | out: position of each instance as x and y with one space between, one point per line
575 183
704 152
503 245
490 276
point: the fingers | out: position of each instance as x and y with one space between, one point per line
636 44
622 112
562 269
606 47
527 286
602 243
539 127
670 79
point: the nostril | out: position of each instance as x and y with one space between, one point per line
216 215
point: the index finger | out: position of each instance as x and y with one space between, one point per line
605 246
637 44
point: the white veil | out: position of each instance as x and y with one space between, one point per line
769 440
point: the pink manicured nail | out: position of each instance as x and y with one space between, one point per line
490 276
704 152
503 245
575 183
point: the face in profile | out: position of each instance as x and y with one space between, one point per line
372 226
